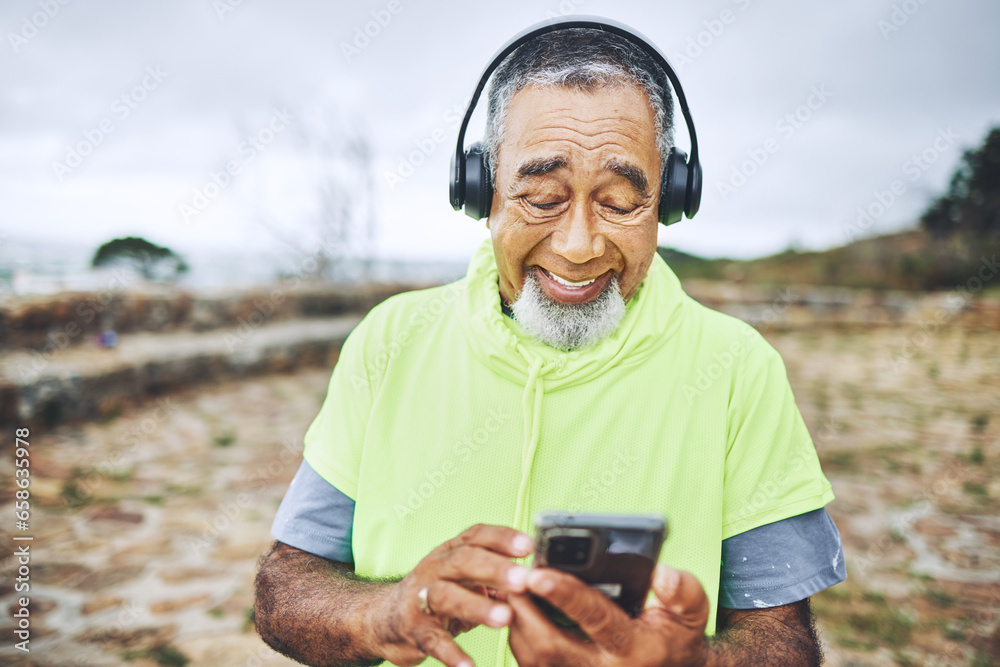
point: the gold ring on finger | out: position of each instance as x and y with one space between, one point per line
422 599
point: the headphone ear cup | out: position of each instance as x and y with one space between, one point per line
674 188
478 189
693 200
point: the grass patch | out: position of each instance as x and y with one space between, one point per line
248 620
73 495
182 490
884 626
164 654
976 456
841 461
979 422
224 439
123 476
941 599
982 660
949 631
874 597
975 489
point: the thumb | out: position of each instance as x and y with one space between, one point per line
679 593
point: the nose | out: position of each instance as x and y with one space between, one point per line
577 238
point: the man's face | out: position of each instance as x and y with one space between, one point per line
577 184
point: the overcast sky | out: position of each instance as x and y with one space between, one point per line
161 95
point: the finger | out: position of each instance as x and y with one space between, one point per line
680 594
449 600
531 632
501 539
495 594
598 616
457 626
472 566
438 643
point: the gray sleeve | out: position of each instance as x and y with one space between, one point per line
781 562
316 517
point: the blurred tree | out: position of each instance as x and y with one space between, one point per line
971 207
331 170
964 223
154 262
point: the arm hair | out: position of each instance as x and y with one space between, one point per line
315 610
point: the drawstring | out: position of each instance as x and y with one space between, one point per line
531 413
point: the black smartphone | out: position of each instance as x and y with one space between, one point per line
614 553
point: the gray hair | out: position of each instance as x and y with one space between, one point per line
584 59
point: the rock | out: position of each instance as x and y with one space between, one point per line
119 639
97 604
168 606
100 579
114 514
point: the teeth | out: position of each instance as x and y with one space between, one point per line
568 283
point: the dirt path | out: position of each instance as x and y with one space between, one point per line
147 528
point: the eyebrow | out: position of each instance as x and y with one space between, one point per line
635 175
541 166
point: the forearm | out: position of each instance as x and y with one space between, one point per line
316 611
761 639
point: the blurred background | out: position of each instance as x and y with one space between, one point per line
201 198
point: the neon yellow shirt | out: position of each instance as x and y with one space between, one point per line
443 413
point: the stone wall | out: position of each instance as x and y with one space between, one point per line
71 318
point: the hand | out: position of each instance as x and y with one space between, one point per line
467 580
670 632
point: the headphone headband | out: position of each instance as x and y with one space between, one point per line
692 170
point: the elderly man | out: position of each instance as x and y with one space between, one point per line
567 370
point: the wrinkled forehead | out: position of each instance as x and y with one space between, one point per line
613 120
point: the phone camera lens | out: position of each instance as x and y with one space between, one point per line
569 551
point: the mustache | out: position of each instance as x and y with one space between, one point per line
567 326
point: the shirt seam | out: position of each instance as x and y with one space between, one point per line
765 512
798 582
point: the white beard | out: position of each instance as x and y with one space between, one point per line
568 326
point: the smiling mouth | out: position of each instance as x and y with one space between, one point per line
568 283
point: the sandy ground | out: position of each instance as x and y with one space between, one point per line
147 527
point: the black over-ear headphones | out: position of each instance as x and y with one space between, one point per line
680 182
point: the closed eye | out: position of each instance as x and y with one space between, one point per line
545 206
